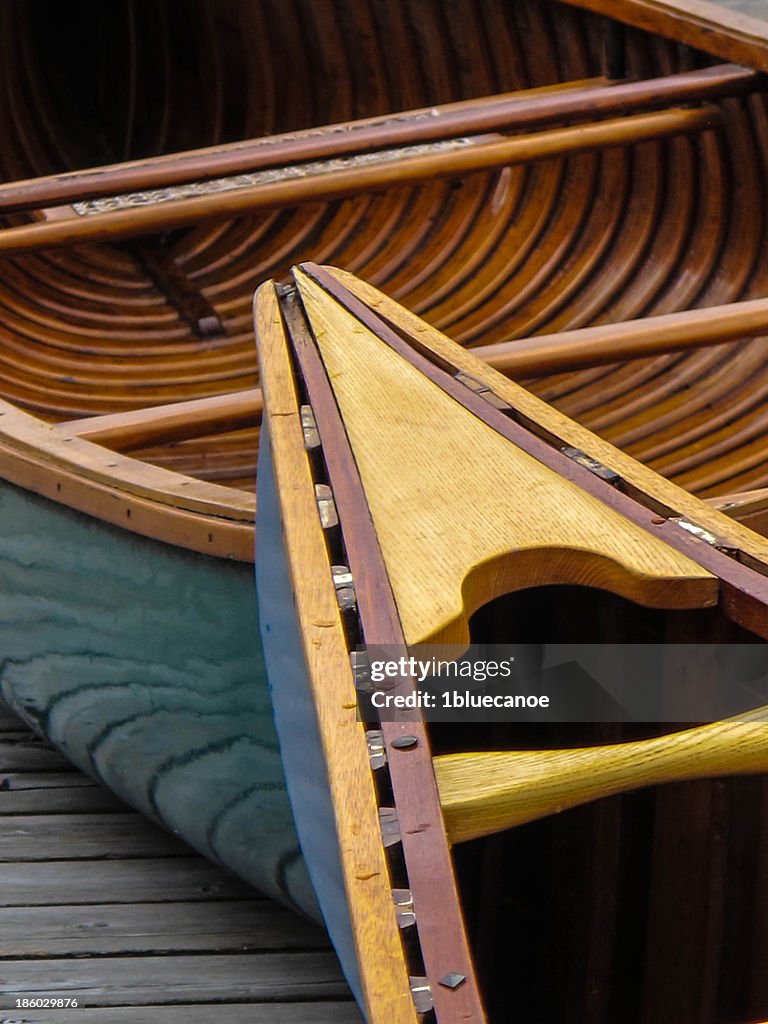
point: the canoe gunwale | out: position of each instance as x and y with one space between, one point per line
706 26
439 920
126 492
354 826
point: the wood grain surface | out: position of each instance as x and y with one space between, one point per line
354 832
453 502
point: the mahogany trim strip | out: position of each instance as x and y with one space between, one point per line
436 902
743 591
524 109
359 174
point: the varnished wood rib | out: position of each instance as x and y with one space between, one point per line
323 182
454 473
382 969
484 793
535 107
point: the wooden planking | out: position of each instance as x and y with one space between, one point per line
58 800
463 541
23 752
331 1012
8 722
153 938
234 925
46 780
146 880
77 836
132 980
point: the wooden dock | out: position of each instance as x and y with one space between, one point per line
99 905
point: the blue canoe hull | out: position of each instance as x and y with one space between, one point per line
142 663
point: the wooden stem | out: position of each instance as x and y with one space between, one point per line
484 793
525 109
356 175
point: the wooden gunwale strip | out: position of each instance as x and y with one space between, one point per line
628 339
125 492
711 27
362 174
176 421
737 501
743 591
439 921
582 100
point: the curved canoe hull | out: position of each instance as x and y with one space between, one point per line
142 664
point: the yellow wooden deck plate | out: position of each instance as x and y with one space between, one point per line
463 515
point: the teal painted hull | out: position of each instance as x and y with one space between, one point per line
143 664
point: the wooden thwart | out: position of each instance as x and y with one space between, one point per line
483 793
359 174
176 421
525 109
631 339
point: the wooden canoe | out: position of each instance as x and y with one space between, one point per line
408 494
519 174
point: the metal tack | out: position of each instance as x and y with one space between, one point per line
405 742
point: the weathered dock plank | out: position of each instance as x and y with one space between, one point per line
102 906
136 980
332 1012
75 836
145 880
45 780
23 752
59 800
231 925
8 721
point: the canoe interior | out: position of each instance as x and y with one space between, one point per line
640 908
600 237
